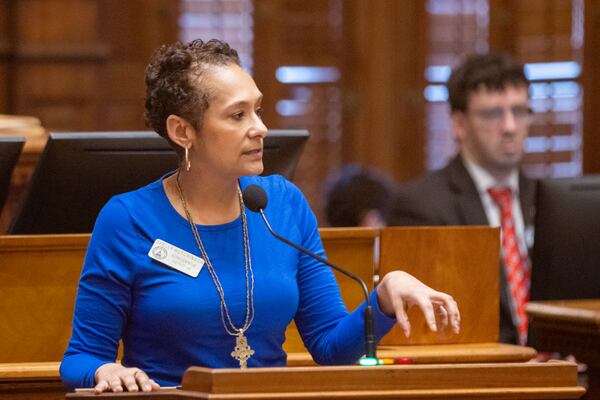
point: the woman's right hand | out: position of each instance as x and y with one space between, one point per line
113 377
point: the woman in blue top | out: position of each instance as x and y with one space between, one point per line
184 275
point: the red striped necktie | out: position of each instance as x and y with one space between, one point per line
516 264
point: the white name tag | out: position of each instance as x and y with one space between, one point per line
176 258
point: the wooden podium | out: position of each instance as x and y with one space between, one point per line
570 327
435 381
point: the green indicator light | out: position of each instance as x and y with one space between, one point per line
367 361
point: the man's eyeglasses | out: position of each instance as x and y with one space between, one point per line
495 115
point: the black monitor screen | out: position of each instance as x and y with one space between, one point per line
79 172
10 148
282 149
566 253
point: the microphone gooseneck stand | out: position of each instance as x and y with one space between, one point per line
255 199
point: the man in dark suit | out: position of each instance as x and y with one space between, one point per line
488 97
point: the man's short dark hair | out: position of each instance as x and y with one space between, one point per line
494 71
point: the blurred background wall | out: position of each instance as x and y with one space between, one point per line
365 77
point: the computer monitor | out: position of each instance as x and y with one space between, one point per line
10 148
282 149
79 172
566 252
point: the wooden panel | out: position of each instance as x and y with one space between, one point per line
534 31
461 261
79 64
502 18
353 250
591 93
125 110
134 29
384 115
303 33
38 282
60 94
4 25
570 327
50 82
5 52
329 379
4 71
78 22
58 50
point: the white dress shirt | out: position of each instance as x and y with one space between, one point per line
484 181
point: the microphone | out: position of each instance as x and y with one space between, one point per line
255 199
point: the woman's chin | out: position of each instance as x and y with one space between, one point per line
253 171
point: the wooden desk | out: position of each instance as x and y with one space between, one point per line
42 380
570 327
556 380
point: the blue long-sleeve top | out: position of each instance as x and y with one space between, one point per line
169 321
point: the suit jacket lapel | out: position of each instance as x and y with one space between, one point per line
469 203
527 191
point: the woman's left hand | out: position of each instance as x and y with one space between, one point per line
398 291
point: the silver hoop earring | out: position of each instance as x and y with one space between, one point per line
186 162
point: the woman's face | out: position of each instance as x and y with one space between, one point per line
230 139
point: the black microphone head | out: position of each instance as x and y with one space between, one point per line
255 198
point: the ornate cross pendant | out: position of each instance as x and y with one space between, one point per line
242 351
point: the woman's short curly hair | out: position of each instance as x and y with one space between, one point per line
174 81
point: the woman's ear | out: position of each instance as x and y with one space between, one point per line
180 131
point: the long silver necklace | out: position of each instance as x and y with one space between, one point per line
242 350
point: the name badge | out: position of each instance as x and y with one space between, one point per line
176 258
